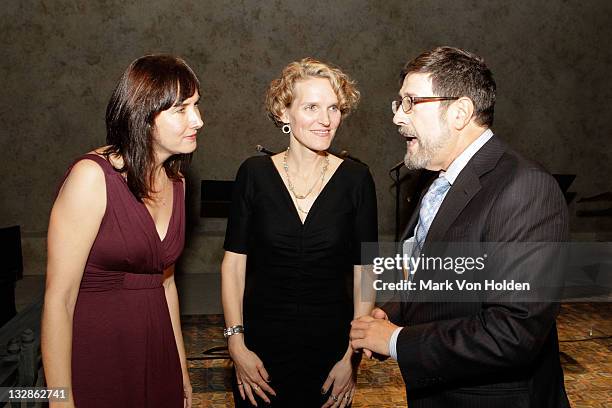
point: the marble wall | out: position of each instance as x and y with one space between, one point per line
61 58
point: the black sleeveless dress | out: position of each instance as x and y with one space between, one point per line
298 291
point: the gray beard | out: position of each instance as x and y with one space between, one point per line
427 151
420 160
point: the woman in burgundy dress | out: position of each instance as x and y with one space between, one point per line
111 326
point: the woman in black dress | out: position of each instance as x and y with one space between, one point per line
293 241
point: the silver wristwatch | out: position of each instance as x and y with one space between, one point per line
230 331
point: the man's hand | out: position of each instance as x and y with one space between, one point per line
372 334
376 313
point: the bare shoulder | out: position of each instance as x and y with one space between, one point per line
85 184
86 171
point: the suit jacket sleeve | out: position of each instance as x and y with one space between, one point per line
530 208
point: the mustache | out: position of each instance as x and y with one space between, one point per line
406 132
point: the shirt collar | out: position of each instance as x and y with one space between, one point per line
462 160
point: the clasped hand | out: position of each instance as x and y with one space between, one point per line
372 333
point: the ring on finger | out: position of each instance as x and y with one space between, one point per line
334 397
255 387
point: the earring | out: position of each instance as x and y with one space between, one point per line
286 128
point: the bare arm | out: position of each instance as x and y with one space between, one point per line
364 295
75 219
175 316
250 371
233 270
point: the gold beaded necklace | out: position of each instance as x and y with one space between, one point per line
292 188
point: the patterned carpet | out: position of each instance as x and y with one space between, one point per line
586 355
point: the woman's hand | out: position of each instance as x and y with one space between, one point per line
343 376
251 374
187 391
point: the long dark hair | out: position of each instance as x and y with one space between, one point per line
150 84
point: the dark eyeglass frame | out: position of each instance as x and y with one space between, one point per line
413 100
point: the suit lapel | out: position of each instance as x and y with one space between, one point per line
461 192
465 187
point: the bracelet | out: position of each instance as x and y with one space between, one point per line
230 331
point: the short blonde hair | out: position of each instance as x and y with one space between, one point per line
280 92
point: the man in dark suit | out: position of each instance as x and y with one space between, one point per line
492 351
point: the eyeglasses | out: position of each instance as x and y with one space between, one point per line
408 102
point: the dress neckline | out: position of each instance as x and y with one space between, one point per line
287 195
172 211
142 204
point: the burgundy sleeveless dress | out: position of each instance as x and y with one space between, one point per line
123 349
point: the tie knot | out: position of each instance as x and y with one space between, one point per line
439 186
